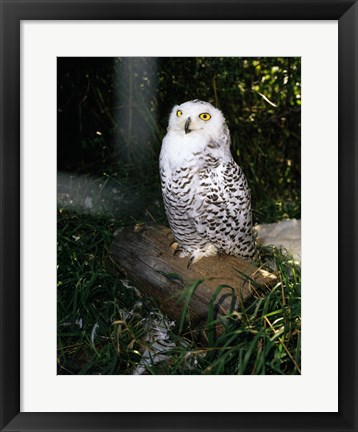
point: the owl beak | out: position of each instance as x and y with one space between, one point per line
187 124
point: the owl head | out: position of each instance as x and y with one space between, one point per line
196 116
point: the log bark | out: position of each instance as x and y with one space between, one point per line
144 256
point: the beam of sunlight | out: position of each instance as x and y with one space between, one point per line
134 110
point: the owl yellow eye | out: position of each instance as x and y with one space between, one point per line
205 116
179 113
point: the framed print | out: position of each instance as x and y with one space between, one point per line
95 334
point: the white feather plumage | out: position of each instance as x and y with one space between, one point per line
206 197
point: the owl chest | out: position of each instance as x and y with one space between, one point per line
186 186
182 150
180 184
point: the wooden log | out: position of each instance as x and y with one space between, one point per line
144 256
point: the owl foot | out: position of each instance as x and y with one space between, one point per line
210 250
179 251
174 245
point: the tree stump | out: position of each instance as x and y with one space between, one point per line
144 256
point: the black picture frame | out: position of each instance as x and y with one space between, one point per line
12 12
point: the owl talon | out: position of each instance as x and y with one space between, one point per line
180 252
174 245
209 250
221 253
177 250
191 259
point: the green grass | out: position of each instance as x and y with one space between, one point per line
105 325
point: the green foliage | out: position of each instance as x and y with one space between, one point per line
97 334
103 323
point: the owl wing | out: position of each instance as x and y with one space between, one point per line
221 210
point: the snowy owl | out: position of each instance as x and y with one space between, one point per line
206 195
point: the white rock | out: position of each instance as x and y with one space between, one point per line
285 234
